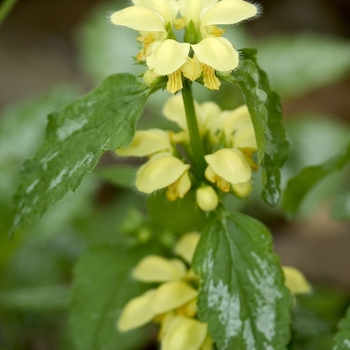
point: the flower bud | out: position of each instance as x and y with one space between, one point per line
207 199
243 189
150 77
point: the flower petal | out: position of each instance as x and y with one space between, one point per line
167 8
238 127
230 164
228 12
139 18
191 10
172 295
295 280
217 53
137 312
167 56
186 246
179 188
147 142
160 171
154 268
174 111
184 333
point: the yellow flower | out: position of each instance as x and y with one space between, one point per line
295 280
227 167
213 52
172 304
163 170
164 56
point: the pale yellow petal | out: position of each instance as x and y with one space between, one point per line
184 333
166 321
206 198
243 189
186 246
167 56
228 12
160 171
217 53
139 18
295 280
192 69
192 9
174 83
172 295
245 138
230 164
167 8
238 128
208 343
154 268
174 111
213 116
147 142
137 312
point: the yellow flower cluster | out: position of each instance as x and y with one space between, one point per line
173 305
229 168
204 49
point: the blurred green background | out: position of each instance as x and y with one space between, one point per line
52 51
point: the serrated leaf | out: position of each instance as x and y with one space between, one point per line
342 338
242 295
102 286
76 137
297 63
266 112
299 186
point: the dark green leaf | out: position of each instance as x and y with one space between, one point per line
119 175
242 295
299 186
76 137
265 110
102 286
342 338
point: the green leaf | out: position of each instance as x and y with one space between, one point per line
119 175
102 286
342 338
266 112
178 217
36 299
297 63
341 207
242 295
76 137
299 186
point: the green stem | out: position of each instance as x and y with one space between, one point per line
5 8
195 138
